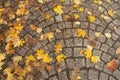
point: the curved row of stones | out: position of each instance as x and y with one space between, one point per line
72 44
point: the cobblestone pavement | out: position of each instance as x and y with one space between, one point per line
72 44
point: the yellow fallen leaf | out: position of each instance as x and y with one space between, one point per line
40 54
29 58
95 59
58 9
1 63
2 56
33 27
47 17
18 26
40 1
76 16
58 47
77 2
49 35
77 23
91 18
81 9
39 30
80 33
88 53
111 12
105 17
47 58
16 59
61 57
108 35
58 30
41 38
118 50
97 34
89 47
18 43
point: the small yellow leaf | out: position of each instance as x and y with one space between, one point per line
2 56
77 23
18 43
91 18
80 33
40 1
49 35
29 58
58 9
95 59
81 9
47 58
58 30
39 30
58 47
97 34
18 26
118 50
88 53
16 59
108 35
47 17
32 27
1 63
40 54
77 2
60 57
89 47
41 38
111 12
76 16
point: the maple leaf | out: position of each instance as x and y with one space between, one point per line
29 58
80 33
60 57
18 26
88 53
58 9
118 50
47 58
112 65
18 43
40 54
58 47
76 16
91 18
95 59
49 35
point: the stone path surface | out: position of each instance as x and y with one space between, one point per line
71 44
